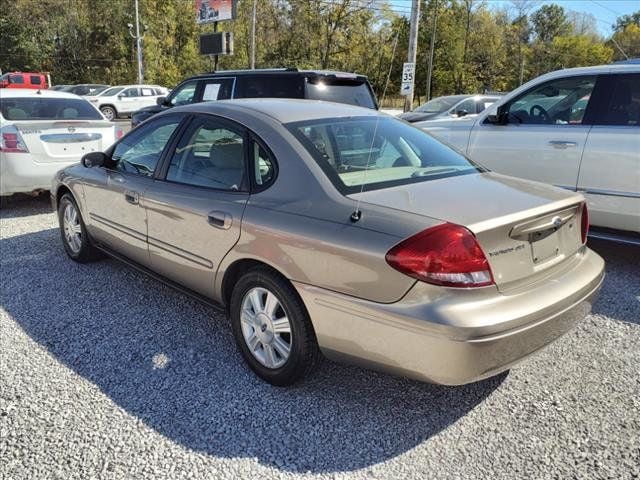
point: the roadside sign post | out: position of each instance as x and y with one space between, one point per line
408 78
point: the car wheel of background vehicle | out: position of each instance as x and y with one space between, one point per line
74 233
272 328
109 112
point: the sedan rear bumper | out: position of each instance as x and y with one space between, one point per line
19 173
451 336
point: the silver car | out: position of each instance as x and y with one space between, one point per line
326 228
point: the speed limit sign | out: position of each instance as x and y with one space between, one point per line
408 73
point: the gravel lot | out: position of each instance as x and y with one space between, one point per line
107 374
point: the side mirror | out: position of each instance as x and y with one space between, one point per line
94 159
461 113
162 101
498 118
120 97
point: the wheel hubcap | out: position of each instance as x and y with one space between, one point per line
265 327
72 228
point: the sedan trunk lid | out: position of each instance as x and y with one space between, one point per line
524 228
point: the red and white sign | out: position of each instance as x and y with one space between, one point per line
209 11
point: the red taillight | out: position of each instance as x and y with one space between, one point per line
11 140
584 223
446 255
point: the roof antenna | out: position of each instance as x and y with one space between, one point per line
357 214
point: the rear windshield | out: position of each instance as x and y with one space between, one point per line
48 109
368 153
352 92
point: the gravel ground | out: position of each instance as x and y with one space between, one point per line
108 374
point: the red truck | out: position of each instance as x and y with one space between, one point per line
24 80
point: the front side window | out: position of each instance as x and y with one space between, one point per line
210 154
469 106
377 152
130 92
16 79
184 95
139 152
558 102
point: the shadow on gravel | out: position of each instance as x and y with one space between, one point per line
619 297
172 363
19 205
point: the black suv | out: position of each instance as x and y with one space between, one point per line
338 87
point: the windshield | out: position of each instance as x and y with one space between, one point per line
349 91
439 105
111 92
377 152
48 109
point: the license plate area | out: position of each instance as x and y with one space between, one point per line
544 245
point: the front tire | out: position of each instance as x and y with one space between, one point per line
272 328
73 231
109 112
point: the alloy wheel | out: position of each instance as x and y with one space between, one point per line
265 327
72 228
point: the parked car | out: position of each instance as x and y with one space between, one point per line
59 87
24 80
578 129
341 87
123 100
85 89
448 107
308 222
42 131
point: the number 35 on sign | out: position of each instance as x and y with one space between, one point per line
408 73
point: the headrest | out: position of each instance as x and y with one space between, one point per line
227 155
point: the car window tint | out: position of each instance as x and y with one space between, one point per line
623 106
111 91
148 92
16 79
140 151
270 86
351 92
217 89
42 108
184 95
558 102
376 152
35 79
263 165
209 155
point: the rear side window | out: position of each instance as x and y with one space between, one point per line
351 92
35 79
270 86
618 101
48 109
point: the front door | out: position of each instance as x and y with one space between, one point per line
195 210
114 195
544 136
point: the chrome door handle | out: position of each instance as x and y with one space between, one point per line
220 219
132 197
562 144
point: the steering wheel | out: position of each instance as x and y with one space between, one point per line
542 113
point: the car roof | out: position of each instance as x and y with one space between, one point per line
32 92
283 110
277 71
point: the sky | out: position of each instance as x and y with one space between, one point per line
605 11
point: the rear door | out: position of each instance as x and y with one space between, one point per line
215 89
610 172
545 134
195 211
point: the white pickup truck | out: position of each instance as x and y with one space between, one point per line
576 128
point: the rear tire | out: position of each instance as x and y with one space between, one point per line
272 328
73 232
109 112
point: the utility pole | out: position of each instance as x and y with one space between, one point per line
413 44
432 48
253 35
138 39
